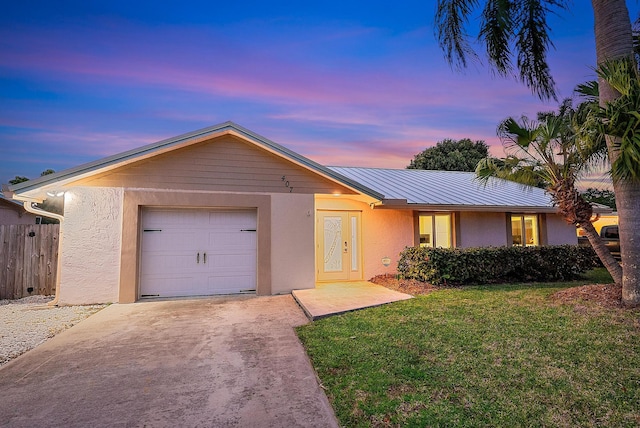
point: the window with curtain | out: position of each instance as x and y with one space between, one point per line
524 230
435 230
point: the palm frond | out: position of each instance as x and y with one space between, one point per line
619 74
588 91
532 43
520 134
497 31
620 118
450 20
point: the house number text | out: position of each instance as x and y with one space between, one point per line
287 184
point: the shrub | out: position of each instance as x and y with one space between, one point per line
495 264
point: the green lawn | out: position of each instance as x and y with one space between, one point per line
481 356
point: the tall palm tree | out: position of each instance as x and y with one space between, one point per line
544 153
518 28
614 41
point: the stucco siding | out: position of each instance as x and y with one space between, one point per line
91 241
559 232
10 215
482 229
385 233
292 243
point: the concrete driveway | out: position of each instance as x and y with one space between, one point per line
211 362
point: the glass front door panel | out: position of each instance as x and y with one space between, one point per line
332 244
355 266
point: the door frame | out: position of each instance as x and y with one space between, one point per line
349 233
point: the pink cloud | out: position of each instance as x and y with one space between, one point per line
251 74
401 99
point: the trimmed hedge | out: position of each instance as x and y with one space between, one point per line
495 264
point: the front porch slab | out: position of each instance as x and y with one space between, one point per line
339 297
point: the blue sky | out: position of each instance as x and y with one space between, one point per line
344 83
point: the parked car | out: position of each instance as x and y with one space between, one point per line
611 238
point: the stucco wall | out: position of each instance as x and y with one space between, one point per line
387 233
559 232
91 239
292 243
10 215
478 229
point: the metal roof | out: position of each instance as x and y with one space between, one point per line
13 204
448 188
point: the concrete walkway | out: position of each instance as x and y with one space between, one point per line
210 362
340 297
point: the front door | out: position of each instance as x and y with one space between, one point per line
338 246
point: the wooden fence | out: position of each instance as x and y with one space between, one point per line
28 259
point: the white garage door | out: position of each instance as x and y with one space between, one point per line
197 252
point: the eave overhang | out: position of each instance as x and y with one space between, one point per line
397 204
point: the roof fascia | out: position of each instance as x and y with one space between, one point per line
475 208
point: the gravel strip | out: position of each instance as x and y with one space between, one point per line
28 322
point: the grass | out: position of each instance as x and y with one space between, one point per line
481 356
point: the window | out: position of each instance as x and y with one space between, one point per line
435 230
524 230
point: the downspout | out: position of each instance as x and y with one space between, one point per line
30 208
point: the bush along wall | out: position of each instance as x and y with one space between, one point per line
495 264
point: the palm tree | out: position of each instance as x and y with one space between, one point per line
519 28
545 153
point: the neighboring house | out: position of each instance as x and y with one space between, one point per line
14 213
602 220
223 210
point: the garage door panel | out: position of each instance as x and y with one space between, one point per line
232 284
177 219
232 219
226 262
228 241
163 286
173 261
172 241
169 264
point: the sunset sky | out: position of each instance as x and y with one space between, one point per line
344 83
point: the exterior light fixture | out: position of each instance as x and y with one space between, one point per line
55 194
386 261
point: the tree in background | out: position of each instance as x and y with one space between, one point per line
22 179
600 196
451 155
54 205
518 28
18 179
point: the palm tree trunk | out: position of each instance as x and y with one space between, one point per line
628 204
613 41
612 265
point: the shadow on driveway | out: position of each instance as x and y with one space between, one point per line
210 362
